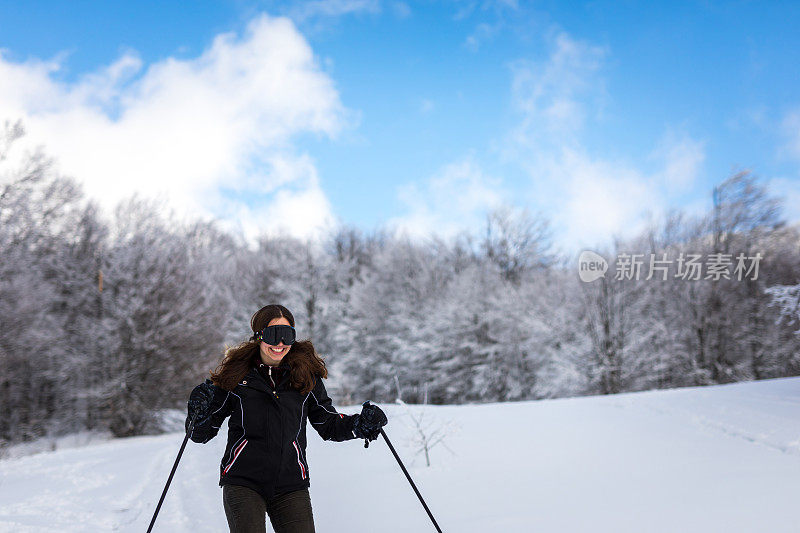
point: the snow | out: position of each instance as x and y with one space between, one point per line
714 459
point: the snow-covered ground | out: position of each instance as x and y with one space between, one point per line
716 459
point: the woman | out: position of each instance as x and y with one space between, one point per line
270 385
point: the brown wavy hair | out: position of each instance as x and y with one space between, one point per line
306 365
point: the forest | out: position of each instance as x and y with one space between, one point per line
104 323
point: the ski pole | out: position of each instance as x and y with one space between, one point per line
411 481
174 467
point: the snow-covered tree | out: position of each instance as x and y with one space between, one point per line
161 314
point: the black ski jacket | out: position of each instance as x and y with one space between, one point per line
266 449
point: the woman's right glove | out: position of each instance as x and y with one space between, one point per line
368 424
200 403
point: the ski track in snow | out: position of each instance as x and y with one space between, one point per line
714 459
733 420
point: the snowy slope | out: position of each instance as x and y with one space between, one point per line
707 460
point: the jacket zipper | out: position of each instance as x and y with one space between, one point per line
274 387
280 414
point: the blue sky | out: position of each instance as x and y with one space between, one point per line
415 115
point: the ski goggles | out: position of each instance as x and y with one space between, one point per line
272 335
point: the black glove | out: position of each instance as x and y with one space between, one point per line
200 402
367 425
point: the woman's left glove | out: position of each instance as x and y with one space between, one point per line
368 424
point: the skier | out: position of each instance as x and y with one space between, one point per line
269 385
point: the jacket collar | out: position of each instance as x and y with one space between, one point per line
255 380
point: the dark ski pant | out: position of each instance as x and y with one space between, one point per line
246 511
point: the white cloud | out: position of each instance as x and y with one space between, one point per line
454 199
594 199
495 17
682 158
296 203
554 95
186 129
482 33
332 8
591 198
602 199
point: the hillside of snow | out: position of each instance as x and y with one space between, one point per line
715 459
